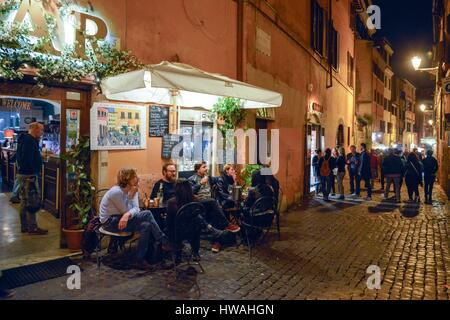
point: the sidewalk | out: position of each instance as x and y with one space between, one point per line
324 252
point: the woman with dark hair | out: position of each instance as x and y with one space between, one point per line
413 176
183 196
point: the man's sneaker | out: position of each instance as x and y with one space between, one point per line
37 232
215 247
14 200
24 229
233 228
368 198
215 233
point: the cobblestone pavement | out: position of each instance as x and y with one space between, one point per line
324 251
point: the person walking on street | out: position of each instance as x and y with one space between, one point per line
404 161
364 173
373 167
315 167
29 163
335 155
430 167
413 177
381 158
326 166
340 166
393 170
353 159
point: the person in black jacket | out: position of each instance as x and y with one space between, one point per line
201 184
29 162
340 165
364 173
260 189
326 166
413 176
315 168
227 179
353 160
430 167
169 172
269 180
393 169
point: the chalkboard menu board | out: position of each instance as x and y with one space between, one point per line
159 121
169 141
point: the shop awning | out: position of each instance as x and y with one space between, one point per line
194 87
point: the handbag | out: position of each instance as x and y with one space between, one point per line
33 198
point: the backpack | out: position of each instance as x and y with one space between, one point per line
90 240
325 168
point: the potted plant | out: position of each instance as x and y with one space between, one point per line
247 172
80 191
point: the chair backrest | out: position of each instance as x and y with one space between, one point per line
187 218
263 204
98 198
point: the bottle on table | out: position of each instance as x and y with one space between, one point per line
160 195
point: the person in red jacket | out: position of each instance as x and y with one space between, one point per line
373 166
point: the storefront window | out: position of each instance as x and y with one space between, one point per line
16 113
192 135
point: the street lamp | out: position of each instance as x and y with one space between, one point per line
430 122
416 62
423 107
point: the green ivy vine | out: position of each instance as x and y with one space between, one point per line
230 111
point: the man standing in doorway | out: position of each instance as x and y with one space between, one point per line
353 159
364 173
29 163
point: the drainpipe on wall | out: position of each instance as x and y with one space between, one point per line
240 41
329 42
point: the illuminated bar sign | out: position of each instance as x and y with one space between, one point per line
75 27
15 104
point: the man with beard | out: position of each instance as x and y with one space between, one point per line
169 172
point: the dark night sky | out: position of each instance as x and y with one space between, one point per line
408 25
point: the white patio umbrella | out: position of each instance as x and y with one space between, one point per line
192 87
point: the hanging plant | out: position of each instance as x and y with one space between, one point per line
230 112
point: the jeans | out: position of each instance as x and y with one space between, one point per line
429 183
396 182
145 224
413 187
27 219
353 179
340 182
382 179
367 184
214 214
326 186
16 188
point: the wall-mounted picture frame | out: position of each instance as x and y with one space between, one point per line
116 126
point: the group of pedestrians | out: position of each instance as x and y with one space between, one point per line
395 168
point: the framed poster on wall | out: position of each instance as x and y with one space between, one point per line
73 127
116 126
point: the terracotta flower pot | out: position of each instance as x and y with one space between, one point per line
73 239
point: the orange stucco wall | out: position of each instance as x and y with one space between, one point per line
203 33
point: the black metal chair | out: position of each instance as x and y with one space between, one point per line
186 227
259 219
102 232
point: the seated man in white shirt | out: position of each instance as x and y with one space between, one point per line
119 211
